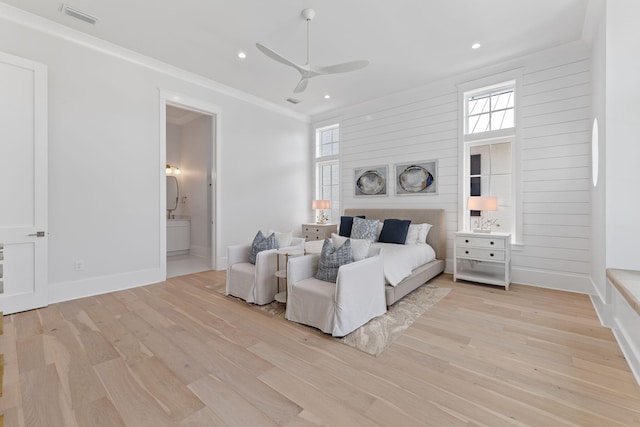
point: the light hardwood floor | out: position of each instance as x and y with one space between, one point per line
179 353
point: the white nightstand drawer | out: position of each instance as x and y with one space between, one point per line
318 231
480 242
487 254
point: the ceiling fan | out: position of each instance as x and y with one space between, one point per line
307 70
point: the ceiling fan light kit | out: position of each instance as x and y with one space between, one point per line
308 71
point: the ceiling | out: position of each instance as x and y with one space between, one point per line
409 42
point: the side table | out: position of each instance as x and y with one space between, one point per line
282 273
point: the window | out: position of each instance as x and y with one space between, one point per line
488 139
328 169
490 111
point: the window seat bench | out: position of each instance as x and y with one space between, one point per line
625 314
627 282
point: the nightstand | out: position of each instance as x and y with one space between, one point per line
318 231
482 258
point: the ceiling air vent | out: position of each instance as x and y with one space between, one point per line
78 14
293 100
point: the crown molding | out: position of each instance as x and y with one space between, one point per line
38 23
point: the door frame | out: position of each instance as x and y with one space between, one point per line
175 99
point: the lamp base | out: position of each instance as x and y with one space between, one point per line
482 230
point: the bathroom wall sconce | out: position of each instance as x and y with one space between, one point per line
173 170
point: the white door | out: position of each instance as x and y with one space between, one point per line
23 188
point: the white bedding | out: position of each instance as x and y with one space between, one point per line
399 260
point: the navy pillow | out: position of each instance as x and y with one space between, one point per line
346 222
394 231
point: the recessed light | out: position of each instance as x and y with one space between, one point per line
327 96
242 55
475 46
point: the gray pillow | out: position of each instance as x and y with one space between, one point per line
364 229
331 259
261 243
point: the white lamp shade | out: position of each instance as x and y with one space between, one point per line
321 204
482 203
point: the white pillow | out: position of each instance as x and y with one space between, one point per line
359 247
412 234
424 231
417 234
283 238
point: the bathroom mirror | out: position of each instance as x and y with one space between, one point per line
172 193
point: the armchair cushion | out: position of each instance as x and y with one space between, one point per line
359 247
261 243
283 238
331 258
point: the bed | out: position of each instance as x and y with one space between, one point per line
400 283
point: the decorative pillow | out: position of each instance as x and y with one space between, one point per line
359 247
283 238
261 243
424 232
412 234
364 229
394 231
346 222
331 259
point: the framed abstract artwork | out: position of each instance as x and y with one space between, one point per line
417 177
370 181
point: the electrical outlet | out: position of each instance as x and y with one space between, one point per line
78 265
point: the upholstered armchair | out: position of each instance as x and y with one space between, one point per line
254 283
336 308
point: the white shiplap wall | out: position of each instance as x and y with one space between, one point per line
554 172
556 162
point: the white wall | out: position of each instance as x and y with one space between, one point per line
622 134
422 124
597 39
106 163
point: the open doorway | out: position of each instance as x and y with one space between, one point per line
190 147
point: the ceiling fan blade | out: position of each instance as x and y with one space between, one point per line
302 85
342 68
277 57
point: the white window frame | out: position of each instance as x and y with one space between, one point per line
320 161
513 135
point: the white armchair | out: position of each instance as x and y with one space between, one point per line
336 308
254 283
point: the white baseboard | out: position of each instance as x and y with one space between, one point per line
570 282
65 291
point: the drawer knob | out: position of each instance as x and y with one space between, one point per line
466 252
492 242
491 254
466 241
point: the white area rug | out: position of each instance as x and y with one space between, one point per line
377 334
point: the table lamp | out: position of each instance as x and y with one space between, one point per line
320 206
482 204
